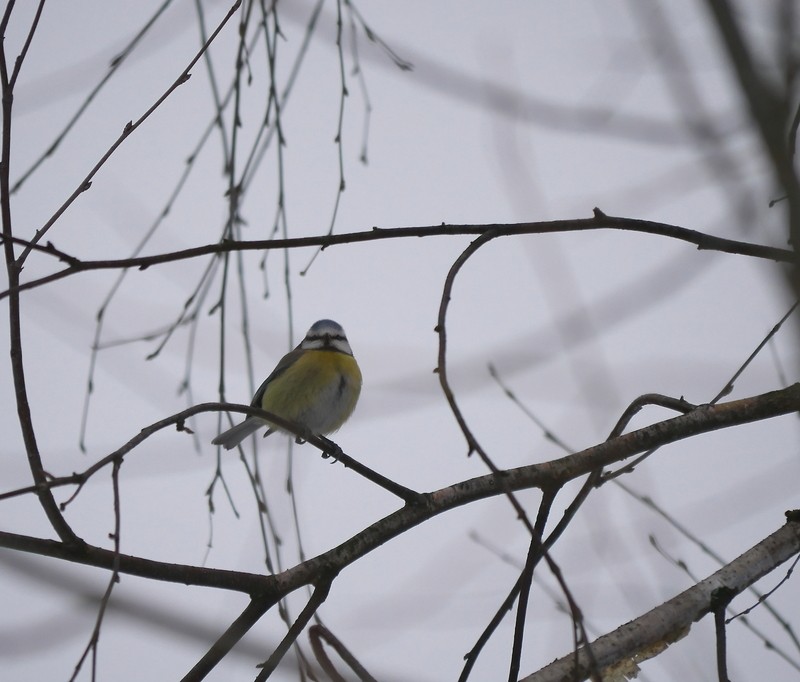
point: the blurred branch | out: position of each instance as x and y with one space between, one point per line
767 107
652 632
316 634
700 121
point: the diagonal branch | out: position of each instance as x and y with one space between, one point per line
652 632
126 132
546 475
317 598
246 620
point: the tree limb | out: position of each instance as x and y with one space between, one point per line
652 632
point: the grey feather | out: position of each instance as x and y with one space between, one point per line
236 434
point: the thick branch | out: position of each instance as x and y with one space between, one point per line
238 581
546 475
651 633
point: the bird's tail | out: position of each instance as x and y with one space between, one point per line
236 434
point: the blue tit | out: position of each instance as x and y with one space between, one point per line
316 386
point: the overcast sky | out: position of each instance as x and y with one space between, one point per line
513 111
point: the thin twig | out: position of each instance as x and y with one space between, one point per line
129 128
116 62
645 636
317 598
94 640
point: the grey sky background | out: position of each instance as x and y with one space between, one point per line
514 111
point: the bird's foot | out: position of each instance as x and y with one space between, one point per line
331 451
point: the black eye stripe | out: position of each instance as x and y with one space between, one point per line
326 337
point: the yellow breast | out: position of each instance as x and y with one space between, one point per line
318 391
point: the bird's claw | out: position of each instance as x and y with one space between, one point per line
331 451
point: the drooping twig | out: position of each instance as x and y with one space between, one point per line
129 128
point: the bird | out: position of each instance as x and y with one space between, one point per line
316 386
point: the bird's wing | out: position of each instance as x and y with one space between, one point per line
285 362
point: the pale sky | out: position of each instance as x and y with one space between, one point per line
514 111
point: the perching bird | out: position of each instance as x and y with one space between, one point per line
316 386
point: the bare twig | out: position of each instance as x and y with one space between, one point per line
703 241
323 587
767 107
535 553
720 598
129 128
677 404
115 64
94 640
728 387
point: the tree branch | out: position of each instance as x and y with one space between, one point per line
652 632
246 620
549 475
704 242
86 183
14 268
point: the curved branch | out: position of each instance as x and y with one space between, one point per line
324 445
14 268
